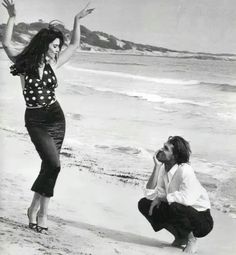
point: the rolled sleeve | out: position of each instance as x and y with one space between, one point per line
170 198
150 194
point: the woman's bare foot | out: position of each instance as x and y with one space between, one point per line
42 224
42 220
31 215
32 218
191 246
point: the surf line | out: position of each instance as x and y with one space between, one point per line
136 77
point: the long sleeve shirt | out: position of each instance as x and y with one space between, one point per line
180 185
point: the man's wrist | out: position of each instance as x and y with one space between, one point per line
156 166
162 198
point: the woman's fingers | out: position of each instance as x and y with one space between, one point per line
84 13
90 10
4 3
10 6
87 5
7 2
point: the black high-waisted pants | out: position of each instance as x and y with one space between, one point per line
179 219
46 127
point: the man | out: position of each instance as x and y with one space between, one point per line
174 198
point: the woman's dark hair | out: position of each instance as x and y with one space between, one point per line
181 149
30 58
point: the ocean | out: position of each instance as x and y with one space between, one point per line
121 108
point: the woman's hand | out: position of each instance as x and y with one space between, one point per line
10 6
83 13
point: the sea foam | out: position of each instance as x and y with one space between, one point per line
154 98
135 77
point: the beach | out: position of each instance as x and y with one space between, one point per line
90 214
114 125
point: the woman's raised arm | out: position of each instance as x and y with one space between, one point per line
75 38
7 37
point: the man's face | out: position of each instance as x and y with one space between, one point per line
165 154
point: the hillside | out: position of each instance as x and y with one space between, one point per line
96 41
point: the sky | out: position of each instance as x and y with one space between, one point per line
192 25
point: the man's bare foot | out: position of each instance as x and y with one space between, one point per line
191 246
178 242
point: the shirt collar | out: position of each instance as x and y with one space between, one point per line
172 171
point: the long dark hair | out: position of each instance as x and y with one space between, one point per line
181 149
30 58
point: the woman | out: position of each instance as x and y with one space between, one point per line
44 118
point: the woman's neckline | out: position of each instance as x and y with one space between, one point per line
43 69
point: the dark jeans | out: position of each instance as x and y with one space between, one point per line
179 219
46 127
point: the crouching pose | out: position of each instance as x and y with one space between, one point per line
174 198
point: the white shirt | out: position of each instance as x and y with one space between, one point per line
180 185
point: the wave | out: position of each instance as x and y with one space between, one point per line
149 97
227 116
135 77
75 116
119 63
121 149
161 109
14 131
166 100
221 86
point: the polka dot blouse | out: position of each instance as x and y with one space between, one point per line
40 92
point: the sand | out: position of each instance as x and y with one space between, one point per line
90 213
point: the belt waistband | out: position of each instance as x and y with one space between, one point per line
41 106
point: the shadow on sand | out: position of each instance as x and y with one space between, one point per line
115 235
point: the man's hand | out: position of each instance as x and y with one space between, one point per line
156 202
156 162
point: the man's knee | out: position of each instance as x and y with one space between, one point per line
177 208
204 227
144 205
